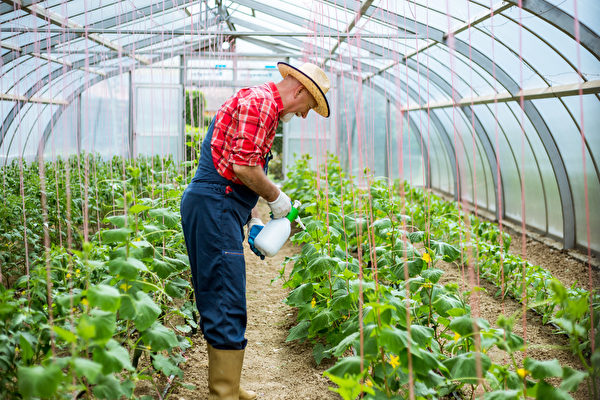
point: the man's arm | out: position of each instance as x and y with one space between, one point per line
254 177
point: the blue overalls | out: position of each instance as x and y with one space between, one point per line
214 211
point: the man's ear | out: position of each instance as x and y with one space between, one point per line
298 91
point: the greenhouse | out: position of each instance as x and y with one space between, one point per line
424 228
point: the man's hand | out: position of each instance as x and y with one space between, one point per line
281 206
254 227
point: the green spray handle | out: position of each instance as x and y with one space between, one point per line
293 214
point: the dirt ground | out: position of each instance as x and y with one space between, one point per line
273 368
277 369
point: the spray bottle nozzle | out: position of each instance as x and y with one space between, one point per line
293 215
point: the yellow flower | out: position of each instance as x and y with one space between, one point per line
85 302
313 303
125 287
426 257
394 361
456 336
522 372
427 285
68 275
149 347
369 383
389 234
77 271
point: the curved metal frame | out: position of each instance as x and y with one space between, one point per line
568 210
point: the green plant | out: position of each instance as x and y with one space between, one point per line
367 292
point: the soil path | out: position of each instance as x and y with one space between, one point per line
273 368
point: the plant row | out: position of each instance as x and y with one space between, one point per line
368 294
96 318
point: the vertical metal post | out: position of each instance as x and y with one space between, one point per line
78 127
388 133
183 120
131 116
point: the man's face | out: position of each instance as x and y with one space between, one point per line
304 102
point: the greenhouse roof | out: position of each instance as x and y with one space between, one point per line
520 75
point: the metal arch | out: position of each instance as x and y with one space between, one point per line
127 17
112 73
110 22
388 97
529 108
564 22
77 92
479 130
48 78
445 138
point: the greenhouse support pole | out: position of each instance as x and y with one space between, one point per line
388 130
183 139
78 127
130 128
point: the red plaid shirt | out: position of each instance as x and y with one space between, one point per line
245 128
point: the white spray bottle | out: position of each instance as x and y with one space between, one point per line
275 233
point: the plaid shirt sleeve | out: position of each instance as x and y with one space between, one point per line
256 117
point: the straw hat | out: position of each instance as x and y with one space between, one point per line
314 80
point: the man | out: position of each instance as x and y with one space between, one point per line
220 200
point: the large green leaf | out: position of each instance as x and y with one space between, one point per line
422 335
27 342
503 395
321 265
176 287
393 339
39 381
118 235
463 325
300 331
113 358
163 269
322 321
99 326
416 237
464 366
166 216
347 365
158 337
87 369
432 274
65 334
571 379
345 343
117 220
301 295
543 369
104 297
166 366
449 252
126 268
137 208
108 388
545 391
139 308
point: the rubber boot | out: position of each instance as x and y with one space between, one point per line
224 371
